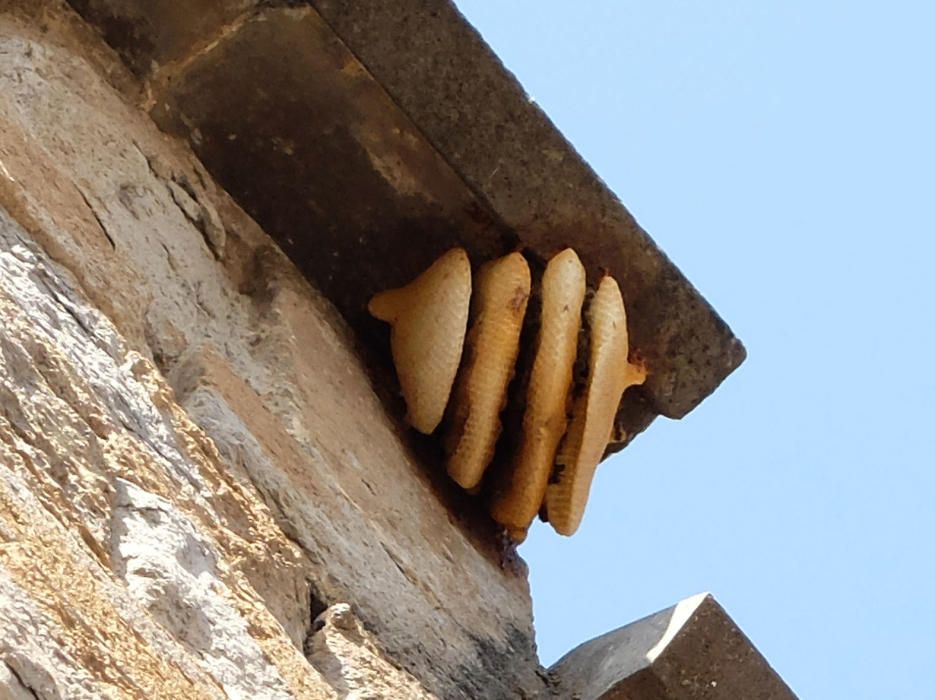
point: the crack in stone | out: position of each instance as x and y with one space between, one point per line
97 218
26 686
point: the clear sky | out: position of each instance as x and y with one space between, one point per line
782 154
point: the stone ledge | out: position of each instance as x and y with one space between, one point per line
691 651
369 137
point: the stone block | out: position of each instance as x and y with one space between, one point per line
150 34
691 651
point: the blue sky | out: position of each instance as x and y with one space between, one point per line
782 154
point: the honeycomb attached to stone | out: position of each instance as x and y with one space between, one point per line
429 320
549 461
520 495
502 292
610 373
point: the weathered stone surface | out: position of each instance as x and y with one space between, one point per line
11 688
349 657
123 538
193 461
690 651
151 34
348 188
387 133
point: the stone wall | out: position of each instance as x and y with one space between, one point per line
194 461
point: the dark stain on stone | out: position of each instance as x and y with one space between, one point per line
323 161
122 32
508 669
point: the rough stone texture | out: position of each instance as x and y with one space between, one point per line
350 659
349 187
154 33
127 547
691 651
11 687
193 460
387 133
